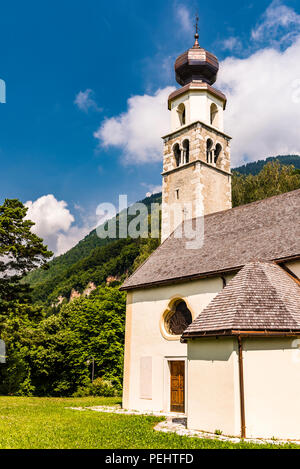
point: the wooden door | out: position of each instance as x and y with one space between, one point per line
177 386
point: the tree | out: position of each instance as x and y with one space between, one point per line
273 179
20 252
49 356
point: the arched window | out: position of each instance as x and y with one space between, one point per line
186 151
178 319
214 118
217 152
177 154
209 151
181 113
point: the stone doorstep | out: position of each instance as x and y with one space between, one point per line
176 423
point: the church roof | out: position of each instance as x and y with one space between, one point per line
196 64
268 229
261 297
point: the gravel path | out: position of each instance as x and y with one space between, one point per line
176 423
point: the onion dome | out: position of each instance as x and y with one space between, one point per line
196 64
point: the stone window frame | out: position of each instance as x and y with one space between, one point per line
167 312
180 144
218 159
215 163
185 152
212 151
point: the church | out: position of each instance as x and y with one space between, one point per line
213 329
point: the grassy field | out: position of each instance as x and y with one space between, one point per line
48 423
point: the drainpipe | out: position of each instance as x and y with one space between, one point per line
242 392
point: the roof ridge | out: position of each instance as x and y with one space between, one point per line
286 299
270 309
274 287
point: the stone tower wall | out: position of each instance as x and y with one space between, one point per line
204 187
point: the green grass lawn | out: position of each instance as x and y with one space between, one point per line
47 423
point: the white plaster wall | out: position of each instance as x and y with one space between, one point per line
213 385
146 339
213 99
272 387
197 105
200 103
294 267
175 121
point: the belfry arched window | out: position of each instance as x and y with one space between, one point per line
177 154
178 319
217 152
214 118
181 114
209 151
186 151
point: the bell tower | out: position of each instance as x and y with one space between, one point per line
196 164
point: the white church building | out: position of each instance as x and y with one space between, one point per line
213 332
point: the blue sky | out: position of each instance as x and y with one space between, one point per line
84 149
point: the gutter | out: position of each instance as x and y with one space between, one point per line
242 389
239 333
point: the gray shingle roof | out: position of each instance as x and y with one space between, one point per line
262 296
268 229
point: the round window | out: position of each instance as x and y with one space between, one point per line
178 319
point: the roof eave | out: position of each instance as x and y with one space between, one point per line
200 276
180 279
242 333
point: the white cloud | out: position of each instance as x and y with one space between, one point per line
279 25
151 189
183 17
232 43
65 241
49 215
138 131
84 101
263 111
54 223
261 115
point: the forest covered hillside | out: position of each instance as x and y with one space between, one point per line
109 261
255 167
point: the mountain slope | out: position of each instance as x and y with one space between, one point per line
97 260
92 260
82 250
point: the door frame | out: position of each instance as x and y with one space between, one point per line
167 384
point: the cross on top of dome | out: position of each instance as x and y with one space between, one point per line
196 45
196 64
